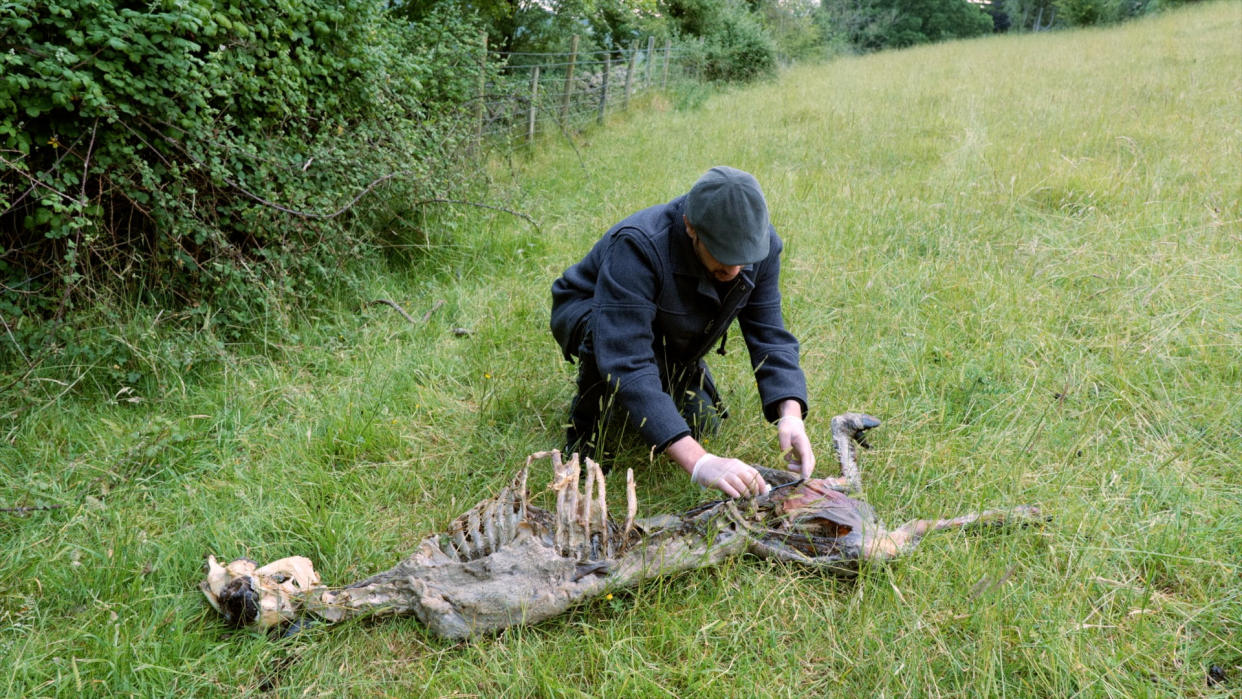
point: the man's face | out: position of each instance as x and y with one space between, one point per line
722 272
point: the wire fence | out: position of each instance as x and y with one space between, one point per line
524 94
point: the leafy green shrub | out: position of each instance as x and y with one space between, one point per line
205 152
861 24
736 46
1081 13
791 24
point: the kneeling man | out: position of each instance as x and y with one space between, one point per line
652 298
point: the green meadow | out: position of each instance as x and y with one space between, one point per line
1023 253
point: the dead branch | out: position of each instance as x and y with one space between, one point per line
434 307
477 205
397 308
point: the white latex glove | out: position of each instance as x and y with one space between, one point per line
730 476
795 445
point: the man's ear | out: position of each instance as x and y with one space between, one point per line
689 229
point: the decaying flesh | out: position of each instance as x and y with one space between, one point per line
506 562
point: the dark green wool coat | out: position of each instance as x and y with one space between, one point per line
642 294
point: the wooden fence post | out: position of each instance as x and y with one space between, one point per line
650 56
534 101
480 112
668 49
603 88
569 82
629 74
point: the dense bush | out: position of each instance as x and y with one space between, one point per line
1030 15
1037 15
881 24
792 26
735 44
861 24
525 31
1088 12
923 21
190 152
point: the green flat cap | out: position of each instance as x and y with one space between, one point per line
727 210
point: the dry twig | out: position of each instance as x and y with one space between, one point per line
30 508
397 308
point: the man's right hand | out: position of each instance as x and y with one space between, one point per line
732 477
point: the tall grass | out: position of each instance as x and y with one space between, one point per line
1022 252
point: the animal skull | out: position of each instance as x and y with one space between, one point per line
245 593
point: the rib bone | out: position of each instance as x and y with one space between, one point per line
631 504
598 478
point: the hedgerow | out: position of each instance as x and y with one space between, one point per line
187 152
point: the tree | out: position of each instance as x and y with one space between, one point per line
863 24
548 25
876 24
1080 13
923 21
791 23
1031 15
1000 19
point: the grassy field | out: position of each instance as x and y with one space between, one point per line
1024 253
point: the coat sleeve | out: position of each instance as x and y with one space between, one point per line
623 336
773 349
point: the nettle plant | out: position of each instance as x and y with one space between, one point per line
186 150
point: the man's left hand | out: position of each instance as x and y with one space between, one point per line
795 445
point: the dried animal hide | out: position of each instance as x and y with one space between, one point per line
506 562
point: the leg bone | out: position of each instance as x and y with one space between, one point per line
890 544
